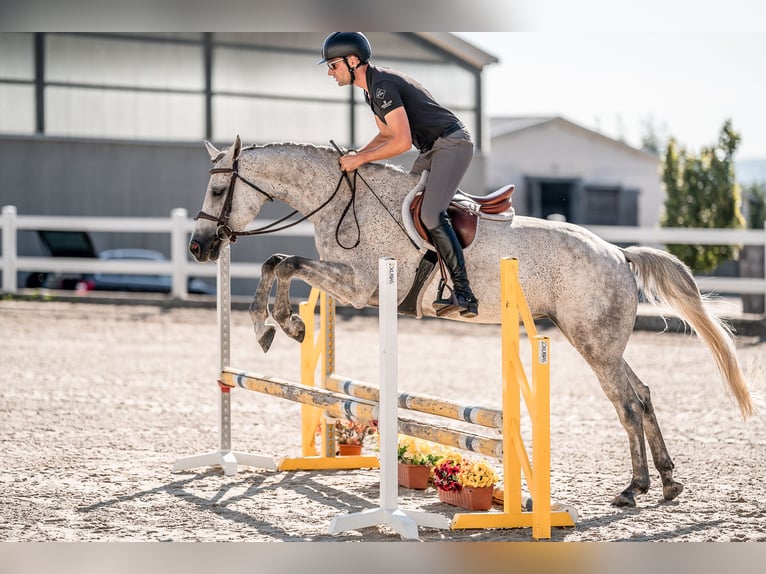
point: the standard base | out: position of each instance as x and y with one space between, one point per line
329 462
405 522
228 460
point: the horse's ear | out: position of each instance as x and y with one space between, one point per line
237 147
212 150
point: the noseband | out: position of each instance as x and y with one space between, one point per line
224 230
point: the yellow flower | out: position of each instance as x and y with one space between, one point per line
476 474
417 451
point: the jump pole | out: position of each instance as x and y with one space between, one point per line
405 522
224 457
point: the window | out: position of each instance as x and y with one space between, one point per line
17 88
602 206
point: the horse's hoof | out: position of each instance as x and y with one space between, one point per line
624 500
297 328
672 490
267 338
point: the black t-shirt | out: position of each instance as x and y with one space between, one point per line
389 89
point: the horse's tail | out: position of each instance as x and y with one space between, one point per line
665 278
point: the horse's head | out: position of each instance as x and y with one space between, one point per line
229 205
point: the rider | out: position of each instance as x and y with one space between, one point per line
406 114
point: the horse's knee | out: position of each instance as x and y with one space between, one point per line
272 262
287 267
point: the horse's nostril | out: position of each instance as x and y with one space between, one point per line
194 248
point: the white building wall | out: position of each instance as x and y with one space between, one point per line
557 149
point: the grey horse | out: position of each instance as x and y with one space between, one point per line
587 287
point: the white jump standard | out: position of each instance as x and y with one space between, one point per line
405 522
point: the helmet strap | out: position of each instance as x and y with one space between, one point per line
350 69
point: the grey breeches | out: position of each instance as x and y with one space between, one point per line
447 162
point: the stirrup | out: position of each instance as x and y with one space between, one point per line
446 307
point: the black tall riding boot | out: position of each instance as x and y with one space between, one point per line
449 249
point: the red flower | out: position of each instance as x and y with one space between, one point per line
445 475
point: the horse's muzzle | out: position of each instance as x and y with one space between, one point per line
195 249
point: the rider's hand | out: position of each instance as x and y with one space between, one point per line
350 162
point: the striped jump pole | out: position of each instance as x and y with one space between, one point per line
340 406
482 416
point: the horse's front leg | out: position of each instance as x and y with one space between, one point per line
259 307
337 279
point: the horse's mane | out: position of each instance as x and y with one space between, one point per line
322 150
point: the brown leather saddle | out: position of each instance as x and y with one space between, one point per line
464 211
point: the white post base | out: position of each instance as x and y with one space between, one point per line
405 522
228 460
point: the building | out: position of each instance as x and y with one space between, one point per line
110 124
561 169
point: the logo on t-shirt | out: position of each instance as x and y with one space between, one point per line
379 93
386 104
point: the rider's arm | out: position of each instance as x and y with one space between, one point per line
393 139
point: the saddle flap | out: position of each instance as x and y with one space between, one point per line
464 221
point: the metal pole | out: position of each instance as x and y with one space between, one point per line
10 255
223 306
224 456
178 250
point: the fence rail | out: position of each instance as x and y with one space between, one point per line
181 267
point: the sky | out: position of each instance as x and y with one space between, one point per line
682 84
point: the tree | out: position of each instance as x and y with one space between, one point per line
755 194
651 140
701 191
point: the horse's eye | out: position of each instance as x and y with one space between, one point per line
218 191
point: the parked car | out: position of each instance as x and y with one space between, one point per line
145 283
62 244
79 244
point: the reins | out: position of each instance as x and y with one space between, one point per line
225 231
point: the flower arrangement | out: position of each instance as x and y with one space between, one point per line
350 432
419 452
453 473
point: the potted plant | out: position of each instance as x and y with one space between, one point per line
350 436
464 483
416 460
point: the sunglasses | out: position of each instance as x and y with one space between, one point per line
332 65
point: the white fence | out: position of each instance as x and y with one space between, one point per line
180 266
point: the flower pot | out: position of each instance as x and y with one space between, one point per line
414 475
350 449
469 498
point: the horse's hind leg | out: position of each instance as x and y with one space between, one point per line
630 410
259 307
662 461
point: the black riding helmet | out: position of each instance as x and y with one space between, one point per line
342 44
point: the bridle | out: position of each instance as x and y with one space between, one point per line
224 230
